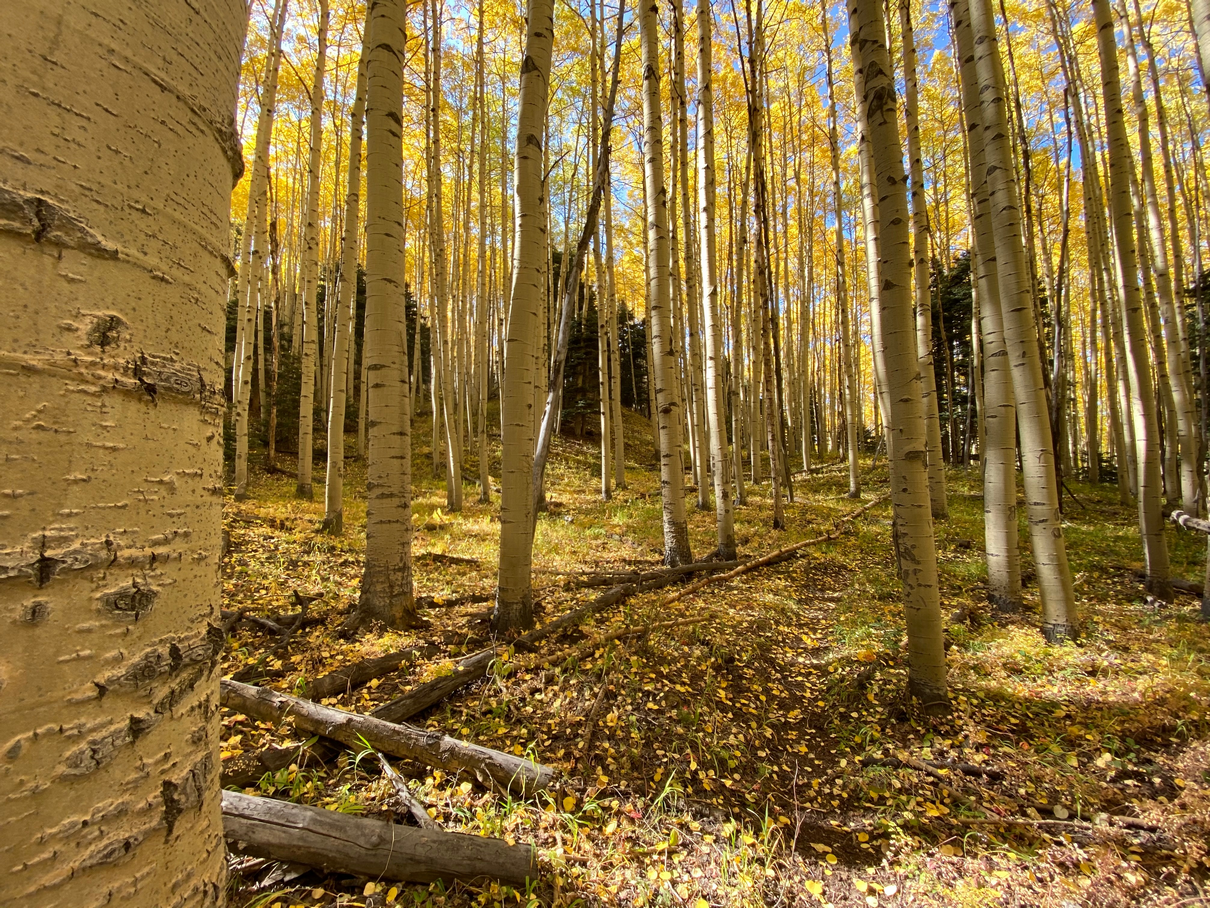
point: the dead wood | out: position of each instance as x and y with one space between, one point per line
773 557
606 578
357 731
249 768
339 843
475 667
351 677
405 798
1189 522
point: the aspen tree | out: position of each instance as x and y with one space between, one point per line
909 473
121 152
481 298
1059 617
310 268
252 254
1199 23
920 269
716 407
514 595
1177 359
441 294
754 83
345 310
999 456
659 295
386 582
1146 429
570 279
842 295
697 411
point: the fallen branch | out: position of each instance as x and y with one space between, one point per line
1189 522
475 667
350 677
589 646
339 843
353 730
610 579
773 557
935 769
404 796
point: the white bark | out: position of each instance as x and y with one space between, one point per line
514 595
120 152
310 268
386 585
663 370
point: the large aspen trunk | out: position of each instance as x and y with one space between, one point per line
386 584
1000 528
121 149
663 370
514 595
920 273
716 407
310 269
1059 616
345 310
909 473
1146 428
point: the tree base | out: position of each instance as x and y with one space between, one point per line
1060 633
303 490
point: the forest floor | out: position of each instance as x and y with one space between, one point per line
766 754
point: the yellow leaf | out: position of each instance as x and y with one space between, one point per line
701 903
861 885
863 837
830 858
814 887
569 802
611 827
392 893
371 888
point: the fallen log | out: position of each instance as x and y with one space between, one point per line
620 577
781 554
351 677
339 843
474 667
1189 522
505 770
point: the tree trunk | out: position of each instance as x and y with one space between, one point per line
663 366
346 303
111 643
1059 618
842 294
481 299
1000 527
716 406
909 472
1151 519
310 268
920 270
386 582
252 254
514 596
